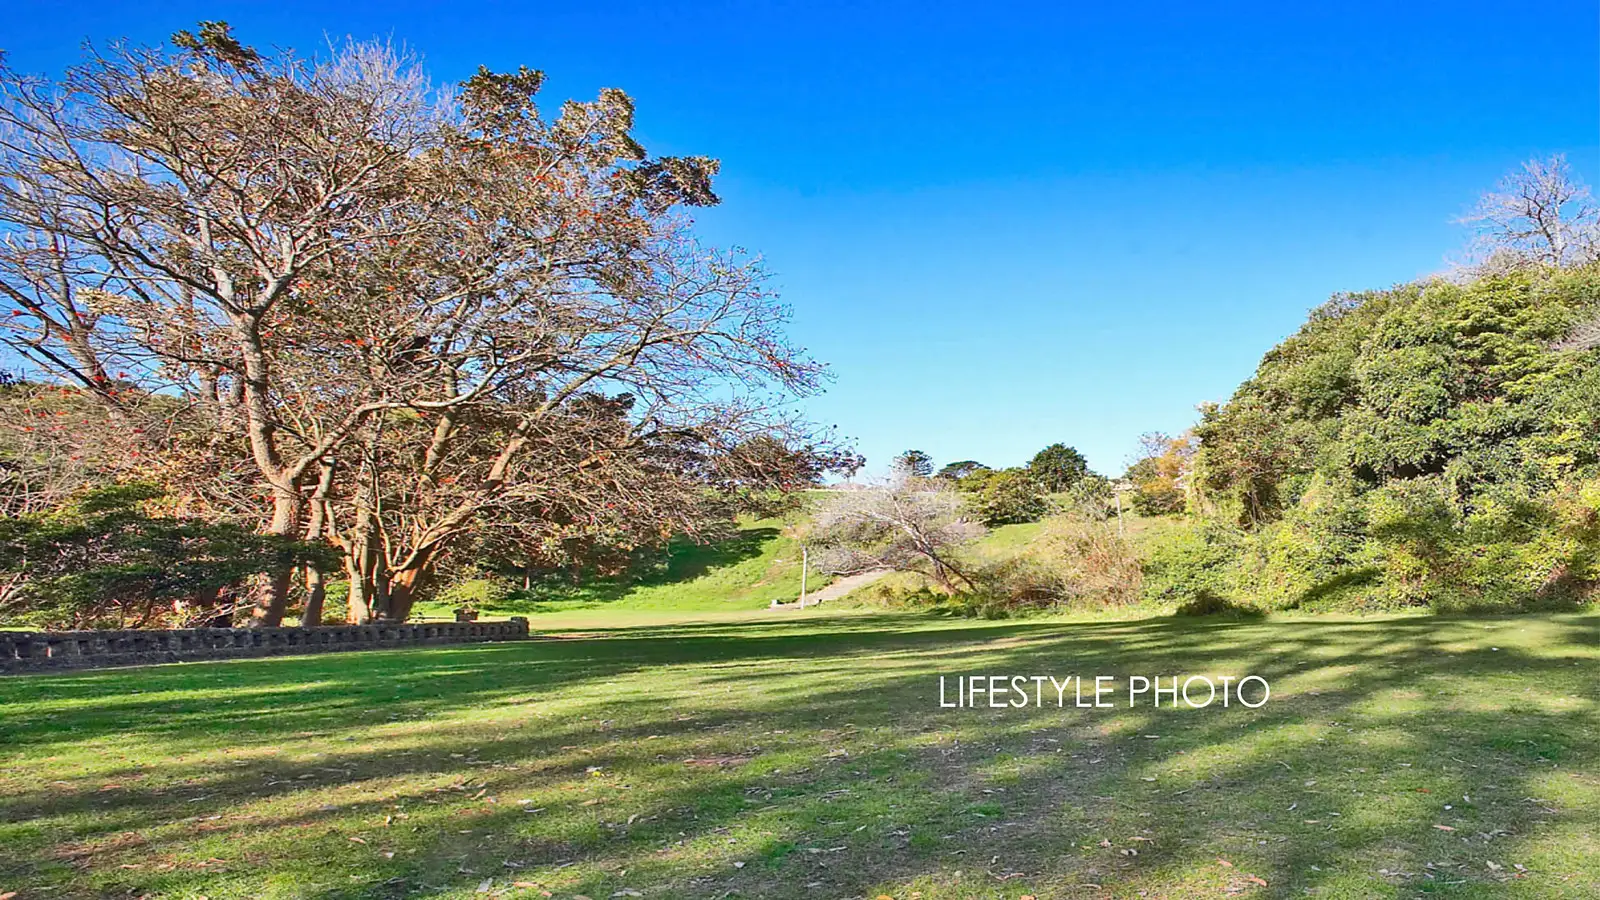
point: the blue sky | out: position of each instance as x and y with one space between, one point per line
1005 225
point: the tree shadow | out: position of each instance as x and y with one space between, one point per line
683 561
815 756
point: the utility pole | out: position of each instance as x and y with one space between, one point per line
805 563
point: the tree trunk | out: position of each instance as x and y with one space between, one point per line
406 584
359 609
316 593
316 586
942 570
272 588
361 563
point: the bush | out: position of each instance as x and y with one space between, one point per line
1196 560
1205 603
1004 497
106 559
1426 446
488 592
1074 561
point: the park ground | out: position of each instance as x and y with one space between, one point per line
804 754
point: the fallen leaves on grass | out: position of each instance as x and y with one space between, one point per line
716 761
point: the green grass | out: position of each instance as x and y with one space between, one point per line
804 755
757 565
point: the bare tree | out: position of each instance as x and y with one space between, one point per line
1541 213
161 206
409 314
906 525
552 341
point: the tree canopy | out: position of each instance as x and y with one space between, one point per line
339 304
1058 467
913 464
1434 443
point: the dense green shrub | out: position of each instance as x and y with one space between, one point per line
485 592
1199 559
1434 445
1004 496
106 559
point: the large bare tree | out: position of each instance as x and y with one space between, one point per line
1540 213
160 206
413 313
907 525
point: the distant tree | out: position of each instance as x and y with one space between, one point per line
1058 467
907 526
1094 497
1540 213
958 470
1158 476
914 464
1005 496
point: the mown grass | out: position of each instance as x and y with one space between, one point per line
805 755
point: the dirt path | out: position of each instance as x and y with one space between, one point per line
837 589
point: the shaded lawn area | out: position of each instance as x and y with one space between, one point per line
807 757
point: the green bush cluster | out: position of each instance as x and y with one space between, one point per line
486 592
107 558
1434 445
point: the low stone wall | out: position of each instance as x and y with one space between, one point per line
34 651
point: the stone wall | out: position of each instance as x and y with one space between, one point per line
34 651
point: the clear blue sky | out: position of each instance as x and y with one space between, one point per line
1009 225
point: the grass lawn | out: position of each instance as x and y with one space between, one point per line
757 565
805 755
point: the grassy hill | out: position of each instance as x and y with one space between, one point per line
748 571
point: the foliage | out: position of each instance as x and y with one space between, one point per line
1432 445
1074 561
1183 564
1058 467
103 560
1092 497
960 469
1004 496
1158 477
490 592
913 464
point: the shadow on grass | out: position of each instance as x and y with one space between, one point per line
684 561
814 754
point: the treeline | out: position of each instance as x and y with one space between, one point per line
282 320
1432 445
1055 475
